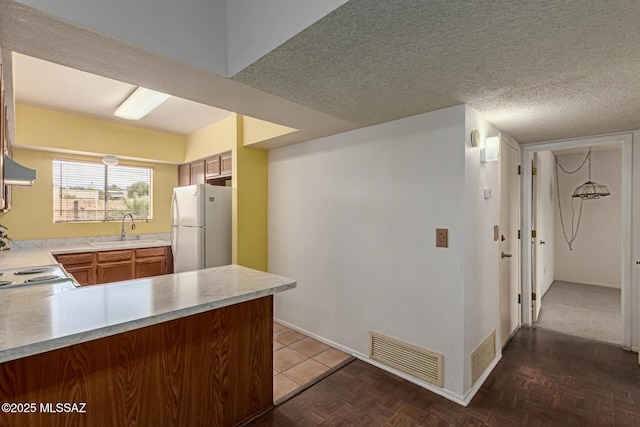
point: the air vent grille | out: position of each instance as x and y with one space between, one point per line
482 356
408 358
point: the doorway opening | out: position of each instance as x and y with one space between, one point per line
578 282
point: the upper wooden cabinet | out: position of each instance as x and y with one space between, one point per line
225 164
213 167
216 170
197 172
184 175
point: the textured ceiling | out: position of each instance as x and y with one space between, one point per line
539 70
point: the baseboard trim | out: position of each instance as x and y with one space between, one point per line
447 394
469 395
315 336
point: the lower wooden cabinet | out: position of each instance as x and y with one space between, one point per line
150 262
91 268
81 266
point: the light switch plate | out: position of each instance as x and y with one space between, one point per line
442 237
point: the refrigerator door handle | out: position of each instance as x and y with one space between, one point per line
174 208
174 241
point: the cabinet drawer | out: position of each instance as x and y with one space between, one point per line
75 259
150 252
112 256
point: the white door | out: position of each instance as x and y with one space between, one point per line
509 243
187 244
536 295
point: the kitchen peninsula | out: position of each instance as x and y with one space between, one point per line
192 348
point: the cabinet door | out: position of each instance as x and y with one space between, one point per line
115 271
213 167
197 172
225 163
184 175
85 275
148 267
79 259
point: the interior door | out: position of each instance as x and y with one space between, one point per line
509 243
535 286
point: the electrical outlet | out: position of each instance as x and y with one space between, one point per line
442 238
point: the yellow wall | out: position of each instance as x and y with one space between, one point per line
255 130
213 139
250 204
46 129
31 215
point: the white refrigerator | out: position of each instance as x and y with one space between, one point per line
200 227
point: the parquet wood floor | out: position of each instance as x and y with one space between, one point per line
545 378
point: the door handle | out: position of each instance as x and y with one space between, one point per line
503 255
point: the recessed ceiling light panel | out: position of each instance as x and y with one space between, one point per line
140 103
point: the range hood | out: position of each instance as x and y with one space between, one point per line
16 174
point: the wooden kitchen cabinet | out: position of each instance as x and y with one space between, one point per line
114 266
197 172
213 167
215 170
81 266
184 175
91 268
226 164
150 262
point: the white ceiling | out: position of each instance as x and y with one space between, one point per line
56 87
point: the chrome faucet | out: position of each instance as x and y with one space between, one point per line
123 234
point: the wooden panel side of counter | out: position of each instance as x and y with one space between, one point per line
210 369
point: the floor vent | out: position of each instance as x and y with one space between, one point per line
408 358
482 356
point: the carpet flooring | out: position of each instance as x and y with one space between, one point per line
582 310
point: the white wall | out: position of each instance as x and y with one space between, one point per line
481 261
193 31
545 221
257 26
596 256
353 216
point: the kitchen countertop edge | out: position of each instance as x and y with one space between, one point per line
54 343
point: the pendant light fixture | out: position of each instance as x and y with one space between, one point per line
591 190
587 191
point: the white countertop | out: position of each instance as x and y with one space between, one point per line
41 318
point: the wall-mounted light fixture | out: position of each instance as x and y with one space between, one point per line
475 138
491 150
140 103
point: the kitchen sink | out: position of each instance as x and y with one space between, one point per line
117 244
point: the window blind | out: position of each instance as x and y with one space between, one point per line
91 191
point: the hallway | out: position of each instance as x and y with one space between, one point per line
586 311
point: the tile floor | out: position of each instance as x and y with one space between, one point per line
299 359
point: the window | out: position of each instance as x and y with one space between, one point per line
91 191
